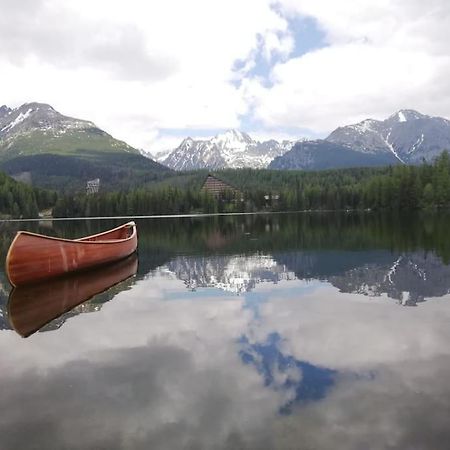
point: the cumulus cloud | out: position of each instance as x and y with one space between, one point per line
159 367
380 56
143 69
151 369
49 32
404 407
136 68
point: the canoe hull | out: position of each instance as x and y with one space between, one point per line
33 257
32 306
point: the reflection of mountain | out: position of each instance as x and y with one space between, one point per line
236 274
409 278
321 264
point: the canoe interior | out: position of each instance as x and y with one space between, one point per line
33 257
117 234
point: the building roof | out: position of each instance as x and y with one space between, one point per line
216 186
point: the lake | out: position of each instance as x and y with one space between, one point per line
283 331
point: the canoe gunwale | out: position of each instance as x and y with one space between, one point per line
83 240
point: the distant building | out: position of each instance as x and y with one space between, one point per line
92 186
219 188
271 199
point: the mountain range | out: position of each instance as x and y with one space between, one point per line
406 137
42 146
409 278
232 149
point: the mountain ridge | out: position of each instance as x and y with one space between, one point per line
405 137
231 149
48 149
38 128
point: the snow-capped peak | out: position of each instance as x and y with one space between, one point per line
232 139
232 148
38 117
365 125
187 142
405 115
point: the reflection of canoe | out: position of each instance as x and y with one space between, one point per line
33 306
33 257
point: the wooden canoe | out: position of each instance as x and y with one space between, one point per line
33 306
33 257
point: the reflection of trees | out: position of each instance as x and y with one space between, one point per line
265 233
350 250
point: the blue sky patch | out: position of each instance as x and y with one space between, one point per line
312 385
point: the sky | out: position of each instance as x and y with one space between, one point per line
154 72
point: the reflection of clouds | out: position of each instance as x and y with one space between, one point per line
298 381
142 373
132 319
352 332
405 407
150 372
155 396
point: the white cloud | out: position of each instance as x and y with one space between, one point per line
140 68
380 56
135 67
160 364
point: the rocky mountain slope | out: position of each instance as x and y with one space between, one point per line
321 155
42 146
232 149
38 128
406 137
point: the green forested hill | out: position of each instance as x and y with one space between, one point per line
400 187
50 150
69 173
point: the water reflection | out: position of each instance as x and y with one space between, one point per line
33 306
409 278
235 274
274 333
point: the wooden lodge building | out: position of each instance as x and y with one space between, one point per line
220 189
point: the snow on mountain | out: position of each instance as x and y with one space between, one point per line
408 135
37 127
405 115
38 116
409 278
159 156
232 149
236 274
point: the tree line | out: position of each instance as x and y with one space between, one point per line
390 188
18 200
396 188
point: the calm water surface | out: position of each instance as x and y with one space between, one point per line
268 332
